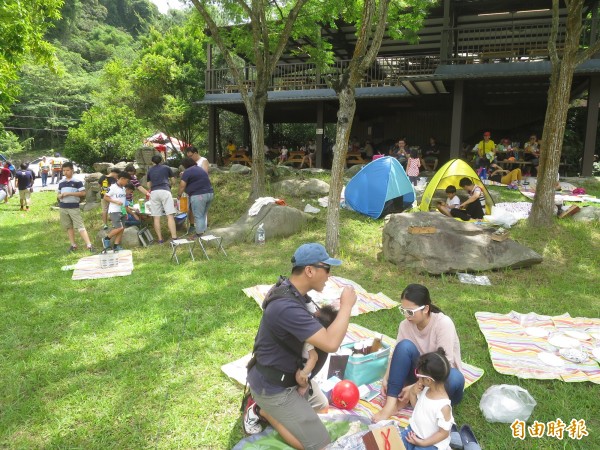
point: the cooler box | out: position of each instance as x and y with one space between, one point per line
365 369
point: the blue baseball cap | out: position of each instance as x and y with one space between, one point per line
309 254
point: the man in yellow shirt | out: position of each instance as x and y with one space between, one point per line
484 150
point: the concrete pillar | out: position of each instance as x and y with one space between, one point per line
591 127
212 134
457 118
319 136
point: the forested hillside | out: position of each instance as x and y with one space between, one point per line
121 70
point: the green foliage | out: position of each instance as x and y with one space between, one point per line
108 133
22 28
9 143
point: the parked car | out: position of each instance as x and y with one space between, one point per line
34 165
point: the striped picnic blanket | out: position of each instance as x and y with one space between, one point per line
518 343
366 302
88 268
237 371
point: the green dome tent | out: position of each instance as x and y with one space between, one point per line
450 174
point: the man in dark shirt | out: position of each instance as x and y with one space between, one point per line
273 378
24 183
70 191
161 199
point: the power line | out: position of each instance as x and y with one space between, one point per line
36 129
45 117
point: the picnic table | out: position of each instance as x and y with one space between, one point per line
240 157
353 158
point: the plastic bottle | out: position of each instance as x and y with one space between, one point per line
359 348
123 209
260 234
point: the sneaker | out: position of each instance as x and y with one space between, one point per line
191 229
117 248
105 227
106 243
72 248
251 421
91 249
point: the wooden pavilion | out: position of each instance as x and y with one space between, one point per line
479 65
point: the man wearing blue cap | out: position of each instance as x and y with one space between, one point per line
285 326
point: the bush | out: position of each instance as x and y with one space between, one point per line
9 144
107 134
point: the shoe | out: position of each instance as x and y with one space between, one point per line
91 249
106 243
161 241
455 440
251 422
117 248
191 229
105 227
468 438
72 248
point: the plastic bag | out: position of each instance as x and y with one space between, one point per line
505 403
501 217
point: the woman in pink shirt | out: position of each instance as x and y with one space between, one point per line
425 329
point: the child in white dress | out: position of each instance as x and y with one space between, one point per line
431 421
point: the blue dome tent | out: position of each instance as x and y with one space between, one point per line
380 188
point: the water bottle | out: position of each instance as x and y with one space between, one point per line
260 234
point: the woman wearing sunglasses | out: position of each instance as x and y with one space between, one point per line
424 330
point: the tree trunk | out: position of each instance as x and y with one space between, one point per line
345 117
255 106
559 94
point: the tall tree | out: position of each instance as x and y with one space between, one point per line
369 17
559 94
22 28
262 40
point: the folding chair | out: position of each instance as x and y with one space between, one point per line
145 237
180 243
205 239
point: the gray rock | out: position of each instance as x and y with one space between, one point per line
300 188
143 156
88 206
283 171
239 168
279 221
129 240
92 188
102 167
120 166
587 214
353 170
455 246
314 170
213 168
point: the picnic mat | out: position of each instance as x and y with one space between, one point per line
530 345
88 268
366 302
564 195
237 371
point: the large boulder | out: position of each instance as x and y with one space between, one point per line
102 167
239 168
279 221
587 214
301 188
92 187
129 239
455 246
353 170
120 166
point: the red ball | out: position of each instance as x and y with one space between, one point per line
345 395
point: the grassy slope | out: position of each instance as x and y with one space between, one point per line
134 362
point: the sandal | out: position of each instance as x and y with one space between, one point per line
468 438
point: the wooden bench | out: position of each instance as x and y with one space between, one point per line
240 158
295 157
353 158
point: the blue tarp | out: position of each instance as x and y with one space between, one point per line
378 183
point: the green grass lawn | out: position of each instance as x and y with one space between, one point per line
134 362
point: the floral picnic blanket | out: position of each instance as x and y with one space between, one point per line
536 346
366 302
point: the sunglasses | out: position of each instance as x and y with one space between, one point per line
410 312
418 375
322 266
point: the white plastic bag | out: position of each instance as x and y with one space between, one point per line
505 403
501 217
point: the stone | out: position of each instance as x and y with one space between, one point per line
314 170
129 239
283 171
302 187
213 168
455 246
353 170
120 166
279 221
89 206
587 214
239 168
92 188
102 167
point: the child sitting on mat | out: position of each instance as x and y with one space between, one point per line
431 421
452 201
325 315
